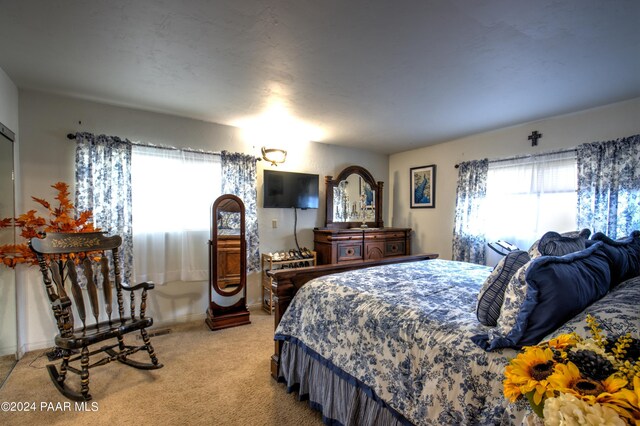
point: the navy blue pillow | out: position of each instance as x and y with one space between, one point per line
555 244
555 289
624 255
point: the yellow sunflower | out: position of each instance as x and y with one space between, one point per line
628 402
529 372
563 341
567 379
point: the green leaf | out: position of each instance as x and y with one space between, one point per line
537 408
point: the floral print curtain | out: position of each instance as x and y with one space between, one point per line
468 233
609 186
239 178
103 185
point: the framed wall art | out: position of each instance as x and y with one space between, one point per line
423 186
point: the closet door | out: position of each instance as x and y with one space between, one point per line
8 331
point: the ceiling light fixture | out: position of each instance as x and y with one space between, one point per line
274 156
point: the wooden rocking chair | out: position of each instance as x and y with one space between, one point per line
60 257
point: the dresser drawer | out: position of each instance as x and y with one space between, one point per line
395 248
349 252
373 250
396 234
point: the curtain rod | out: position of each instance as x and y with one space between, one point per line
562 151
72 136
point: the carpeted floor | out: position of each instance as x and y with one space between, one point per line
6 365
209 378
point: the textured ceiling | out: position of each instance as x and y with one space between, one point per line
379 74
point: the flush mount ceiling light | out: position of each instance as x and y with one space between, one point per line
274 156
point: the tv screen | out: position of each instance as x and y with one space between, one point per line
288 189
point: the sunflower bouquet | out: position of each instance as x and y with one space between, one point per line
575 380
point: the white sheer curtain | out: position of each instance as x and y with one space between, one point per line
173 191
527 197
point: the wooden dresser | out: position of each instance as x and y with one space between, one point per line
335 245
228 256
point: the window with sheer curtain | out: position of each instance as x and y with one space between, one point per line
527 197
173 191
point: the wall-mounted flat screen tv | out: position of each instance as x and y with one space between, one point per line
288 189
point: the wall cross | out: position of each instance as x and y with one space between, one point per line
534 136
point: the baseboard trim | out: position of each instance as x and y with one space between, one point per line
157 325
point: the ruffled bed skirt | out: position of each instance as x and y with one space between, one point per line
342 399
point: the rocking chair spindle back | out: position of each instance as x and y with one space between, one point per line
59 256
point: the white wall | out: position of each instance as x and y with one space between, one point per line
8 117
47 156
433 228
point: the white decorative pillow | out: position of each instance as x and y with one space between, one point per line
491 294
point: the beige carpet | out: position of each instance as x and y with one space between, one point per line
209 378
6 365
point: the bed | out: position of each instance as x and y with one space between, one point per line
403 345
391 342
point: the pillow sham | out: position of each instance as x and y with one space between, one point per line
584 233
624 255
544 294
555 244
491 294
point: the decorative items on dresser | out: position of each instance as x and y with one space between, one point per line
281 260
354 199
354 229
227 264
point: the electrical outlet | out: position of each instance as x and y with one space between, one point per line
274 223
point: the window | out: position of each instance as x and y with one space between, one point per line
172 193
527 197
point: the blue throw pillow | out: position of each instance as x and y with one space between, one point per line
624 255
492 292
555 244
545 293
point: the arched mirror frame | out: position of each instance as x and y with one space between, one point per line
227 203
367 177
220 316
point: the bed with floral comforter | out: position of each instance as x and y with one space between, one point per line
398 335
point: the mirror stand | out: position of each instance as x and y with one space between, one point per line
227 265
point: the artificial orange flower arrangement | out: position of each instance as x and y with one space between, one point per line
61 218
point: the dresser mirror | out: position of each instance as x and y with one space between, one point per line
354 199
227 264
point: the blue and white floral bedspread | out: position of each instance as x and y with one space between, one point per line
404 331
